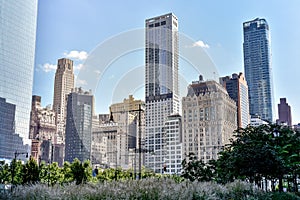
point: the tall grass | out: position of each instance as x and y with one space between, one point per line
150 188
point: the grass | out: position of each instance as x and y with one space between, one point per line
150 188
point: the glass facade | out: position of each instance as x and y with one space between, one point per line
161 84
17 49
79 126
9 142
258 72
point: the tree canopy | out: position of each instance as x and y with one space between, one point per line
268 152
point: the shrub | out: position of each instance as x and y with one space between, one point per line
284 196
150 188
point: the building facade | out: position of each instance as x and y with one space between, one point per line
257 65
208 120
237 89
109 148
161 84
63 85
17 53
127 115
284 113
80 109
7 132
173 144
256 121
42 130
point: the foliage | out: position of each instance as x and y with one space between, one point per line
16 171
150 188
195 169
5 173
270 151
54 173
30 171
283 196
66 171
82 172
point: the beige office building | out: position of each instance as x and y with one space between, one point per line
115 137
63 85
109 146
126 114
208 119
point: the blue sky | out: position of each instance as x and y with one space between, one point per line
74 28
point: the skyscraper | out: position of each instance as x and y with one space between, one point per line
284 113
79 125
237 89
257 64
173 144
208 119
10 142
17 50
161 79
63 85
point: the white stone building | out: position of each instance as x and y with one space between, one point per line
208 119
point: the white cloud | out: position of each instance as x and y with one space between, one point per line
47 67
200 43
81 82
78 55
78 67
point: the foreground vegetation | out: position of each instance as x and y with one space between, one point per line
266 154
255 156
150 188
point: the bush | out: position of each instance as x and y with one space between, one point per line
150 188
284 196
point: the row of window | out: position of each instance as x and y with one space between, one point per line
157 24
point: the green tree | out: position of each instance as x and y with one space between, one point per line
82 172
16 168
268 151
195 169
31 171
43 172
106 174
66 171
147 172
223 168
54 174
5 173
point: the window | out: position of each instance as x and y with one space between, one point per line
175 24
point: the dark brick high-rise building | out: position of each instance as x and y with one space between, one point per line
284 113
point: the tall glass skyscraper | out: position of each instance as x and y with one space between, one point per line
78 142
258 72
18 19
161 79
